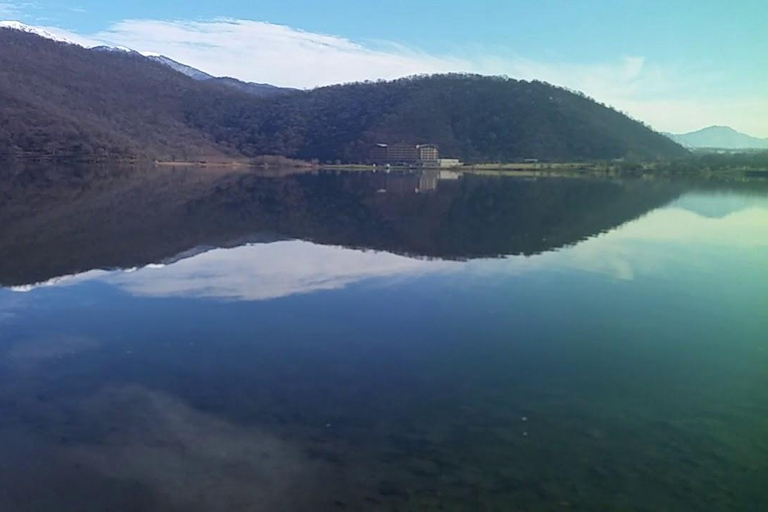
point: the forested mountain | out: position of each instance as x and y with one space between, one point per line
189 71
225 81
471 117
254 88
61 99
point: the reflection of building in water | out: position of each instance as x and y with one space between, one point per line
428 181
402 184
449 162
409 183
449 175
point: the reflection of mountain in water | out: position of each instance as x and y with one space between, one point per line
718 204
63 222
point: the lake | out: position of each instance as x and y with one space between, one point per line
211 340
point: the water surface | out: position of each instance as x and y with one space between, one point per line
184 340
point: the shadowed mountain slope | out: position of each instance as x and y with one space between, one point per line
58 99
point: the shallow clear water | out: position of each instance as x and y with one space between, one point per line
209 340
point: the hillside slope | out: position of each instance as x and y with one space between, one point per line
61 99
470 117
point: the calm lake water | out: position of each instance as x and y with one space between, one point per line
198 340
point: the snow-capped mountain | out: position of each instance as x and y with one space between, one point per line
113 49
17 25
162 59
178 66
194 73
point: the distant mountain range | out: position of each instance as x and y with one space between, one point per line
718 137
63 100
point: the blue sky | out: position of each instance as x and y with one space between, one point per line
678 65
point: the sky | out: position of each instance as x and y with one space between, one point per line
677 65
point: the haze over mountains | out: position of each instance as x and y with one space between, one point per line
719 137
65 100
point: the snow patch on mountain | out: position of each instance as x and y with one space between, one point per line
194 73
191 72
17 25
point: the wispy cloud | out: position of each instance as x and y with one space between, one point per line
258 51
670 98
263 52
9 10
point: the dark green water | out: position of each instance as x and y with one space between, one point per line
208 341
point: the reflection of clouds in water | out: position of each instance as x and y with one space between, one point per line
33 351
193 460
255 272
662 239
7 316
62 281
10 305
671 238
720 204
128 448
611 261
268 271
281 269
742 229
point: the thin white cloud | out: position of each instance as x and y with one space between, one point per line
746 114
18 9
669 98
258 51
263 52
8 10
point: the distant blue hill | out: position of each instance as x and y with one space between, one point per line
719 137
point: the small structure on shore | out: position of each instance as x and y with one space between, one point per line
412 155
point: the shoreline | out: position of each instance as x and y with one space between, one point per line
648 170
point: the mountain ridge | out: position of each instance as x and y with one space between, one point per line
258 89
719 137
66 100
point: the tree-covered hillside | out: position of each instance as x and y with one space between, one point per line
64 100
471 117
58 99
